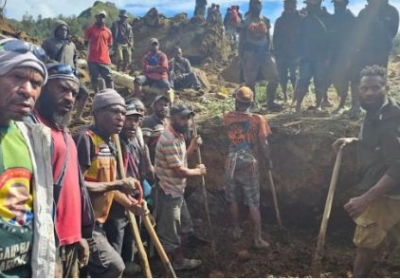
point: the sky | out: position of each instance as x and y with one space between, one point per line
52 8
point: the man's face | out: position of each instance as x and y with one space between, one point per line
161 108
256 6
372 92
123 18
100 19
290 6
154 47
57 101
178 54
181 123
131 124
20 88
62 32
111 119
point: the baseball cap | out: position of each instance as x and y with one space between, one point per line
181 110
123 13
102 12
159 97
153 41
244 94
131 110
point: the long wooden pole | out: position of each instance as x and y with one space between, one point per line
131 217
275 199
206 207
318 253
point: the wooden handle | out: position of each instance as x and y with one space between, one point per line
275 199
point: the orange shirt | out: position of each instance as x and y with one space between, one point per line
100 38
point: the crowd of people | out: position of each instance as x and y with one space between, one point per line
64 205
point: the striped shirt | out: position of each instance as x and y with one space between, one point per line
171 154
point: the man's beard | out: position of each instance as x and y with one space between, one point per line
47 110
62 120
180 128
372 106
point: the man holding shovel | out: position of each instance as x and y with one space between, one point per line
377 211
247 134
173 218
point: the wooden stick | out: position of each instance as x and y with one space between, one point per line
203 187
276 206
131 217
318 253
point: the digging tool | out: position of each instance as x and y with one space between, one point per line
276 206
131 217
203 187
148 225
316 263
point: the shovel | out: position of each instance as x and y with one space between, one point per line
318 253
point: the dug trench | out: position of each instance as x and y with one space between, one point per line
303 163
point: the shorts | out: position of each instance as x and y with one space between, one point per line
98 69
173 220
316 70
255 69
104 261
380 219
123 53
143 81
244 186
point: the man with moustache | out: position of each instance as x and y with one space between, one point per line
98 161
376 211
53 109
174 224
60 48
24 158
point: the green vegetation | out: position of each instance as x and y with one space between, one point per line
42 27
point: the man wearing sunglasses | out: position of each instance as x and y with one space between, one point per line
60 48
54 110
26 192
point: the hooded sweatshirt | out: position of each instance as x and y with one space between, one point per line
60 50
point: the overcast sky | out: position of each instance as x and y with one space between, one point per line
52 8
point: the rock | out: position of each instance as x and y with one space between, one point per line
244 255
216 274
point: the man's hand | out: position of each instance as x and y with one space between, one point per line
83 253
136 208
195 142
343 142
128 185
357 205
202 169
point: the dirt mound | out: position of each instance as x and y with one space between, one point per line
200 42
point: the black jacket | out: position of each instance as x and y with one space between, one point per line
287 35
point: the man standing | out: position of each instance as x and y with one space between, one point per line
26 184
173 218
377 211
53 109
247 134
97 159
61 49
343 50
182 75
375 29
315 54
285 40
153 126
100 39
154 70
123 41
200 8
254 53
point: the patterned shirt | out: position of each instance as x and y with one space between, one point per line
171 154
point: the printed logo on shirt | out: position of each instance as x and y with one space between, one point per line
14 255
15 197
238 132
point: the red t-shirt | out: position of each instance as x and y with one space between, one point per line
68 219
100 38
